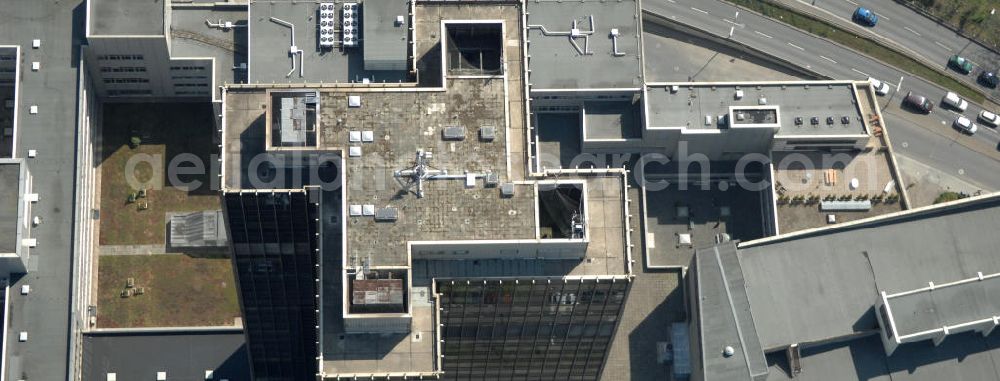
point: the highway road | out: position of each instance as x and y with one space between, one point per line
834 61
917 33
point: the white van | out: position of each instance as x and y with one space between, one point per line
952 99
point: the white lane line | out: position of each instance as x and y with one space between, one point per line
942 45
911 30
827 58
762 34
733 22
852 2
699 10
881 16
795 46
672 1
860 72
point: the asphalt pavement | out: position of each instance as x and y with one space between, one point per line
832 60
920 35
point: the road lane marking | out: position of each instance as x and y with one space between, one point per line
860 72
699 10
881 16
795 46
762 34
827 58
852 2
942 45
672 1
911 30
733 22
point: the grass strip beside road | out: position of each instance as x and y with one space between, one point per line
861 44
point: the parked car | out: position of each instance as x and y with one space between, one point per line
989 118
919 102
881 88
965 125
989 79
960 64
865 16
952 100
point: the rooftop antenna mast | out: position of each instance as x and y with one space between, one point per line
421 171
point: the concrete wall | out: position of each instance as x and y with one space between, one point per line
811 143
88 131
167 78
397 323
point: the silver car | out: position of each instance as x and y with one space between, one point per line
965 125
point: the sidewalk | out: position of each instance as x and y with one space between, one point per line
132 250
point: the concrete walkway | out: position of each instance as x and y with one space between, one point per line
132 250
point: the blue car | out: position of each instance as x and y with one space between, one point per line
865 16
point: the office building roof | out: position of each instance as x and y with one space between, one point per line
190 36
270 60
688 104
823 284
182 355
127 17
11 186
589 60
730 348
384 34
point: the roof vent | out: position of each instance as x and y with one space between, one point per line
507 190
387 214
453 133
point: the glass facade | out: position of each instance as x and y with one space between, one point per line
528 330
274 255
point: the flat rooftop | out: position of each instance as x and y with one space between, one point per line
183 355
270 61
699 216
945 305
687 104
127 17
10 184
613 119
378 132
560 62
824 285
834 295
190 36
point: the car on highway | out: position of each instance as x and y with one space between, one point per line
865 16
965 125
989 79
919 102
989 118
952 100
881 88
961 64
